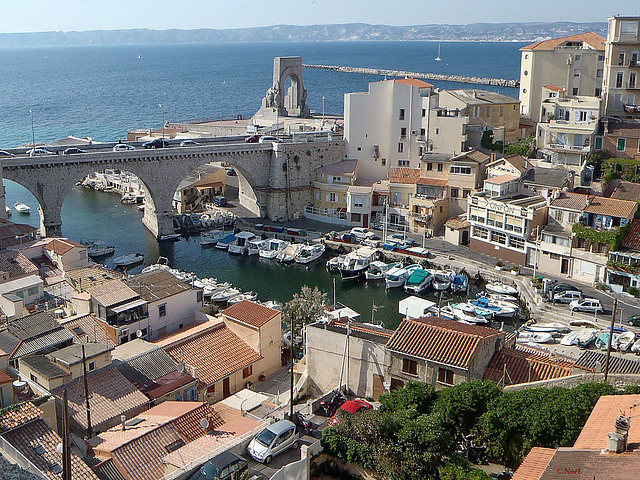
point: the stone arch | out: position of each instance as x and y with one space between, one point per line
293 101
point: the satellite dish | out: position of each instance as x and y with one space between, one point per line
180 367
204 423
139 333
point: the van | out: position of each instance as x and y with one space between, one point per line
567 296
274 439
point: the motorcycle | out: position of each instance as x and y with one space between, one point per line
331 407
306 424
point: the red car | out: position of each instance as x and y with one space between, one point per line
252 139
351 407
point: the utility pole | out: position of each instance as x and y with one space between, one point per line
613 319
291 376
66 446
86 394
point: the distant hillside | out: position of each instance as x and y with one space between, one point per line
476 32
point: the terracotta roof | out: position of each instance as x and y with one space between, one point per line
413 82
111 395
514 366
26 438
250 313
166 384
60 246
458 223
87 328
4 378
500 179
534 464
16 264
555 88
590 38
626 191
595 204
590 464
632 239
87 277
434 182
107 470
474 155
112 292
157 285
602 421
22 413
445 341
14 234
344 167
404 175
215 351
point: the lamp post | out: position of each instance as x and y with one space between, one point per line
322 128
162 110
33 133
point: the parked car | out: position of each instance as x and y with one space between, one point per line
231 172
4 154
350 407
563 287
361 233
252 139
221 467
270 139
156 143
123 147
587 305
39 151
73 150
189 143
273 440
634 320
567 296
220 201
400 238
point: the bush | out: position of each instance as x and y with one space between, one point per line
635 291
500 263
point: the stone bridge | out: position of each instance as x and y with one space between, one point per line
274 178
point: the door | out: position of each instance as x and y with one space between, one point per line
365 220
564 268
465 237
226 390
378 386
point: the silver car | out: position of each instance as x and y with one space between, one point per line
274 439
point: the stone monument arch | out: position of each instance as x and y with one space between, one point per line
290 103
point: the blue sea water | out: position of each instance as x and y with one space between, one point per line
103 92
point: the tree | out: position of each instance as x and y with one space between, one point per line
522 148
415 395
304 308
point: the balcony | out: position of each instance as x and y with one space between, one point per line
421 139
568 148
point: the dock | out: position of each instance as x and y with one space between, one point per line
500 82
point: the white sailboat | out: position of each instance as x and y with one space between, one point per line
437 59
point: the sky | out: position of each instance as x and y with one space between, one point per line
80 15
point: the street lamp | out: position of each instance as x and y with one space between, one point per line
322 113
33 133
162 110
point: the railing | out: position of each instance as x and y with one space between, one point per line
578 148
421 139
326 215
15 456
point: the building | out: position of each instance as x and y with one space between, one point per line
399 134
623 267
621 69
547 181
456 230
514 165
14 265
402 186
620 140
501 226
65 254
467 172
573 64
197 194
16 295
428 207
439 352
623 190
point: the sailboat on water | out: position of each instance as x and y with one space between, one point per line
437 59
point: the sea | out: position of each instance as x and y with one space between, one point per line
103 92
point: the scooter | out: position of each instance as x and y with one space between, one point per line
304 423
329 408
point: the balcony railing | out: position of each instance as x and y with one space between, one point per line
421 139
569 148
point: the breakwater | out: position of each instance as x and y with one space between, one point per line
500 82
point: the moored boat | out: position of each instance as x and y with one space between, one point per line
397 276
289 253
128 260
442 279
498 310
377 270
99 249
499 287
224 242
356 263
309 253
169 237
460 283
211 238
240 245
418 281
255 246
272 248
333 264
8 210
466 312
602 341
22 208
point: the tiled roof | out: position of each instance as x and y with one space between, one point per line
42 365
33 325
594 204
458 223
111 395
108 471
156 285
474 155
627 191
590 38
4 378
441 340
413 82
513 366
434 182
602 421
8 342
167 383
632 239
595 360
112 292
592 464
344 167
555 88
500 179
87 277
72 354
627 130
60 246
534 464
13 234
144 369
250 313
216 352
14 417
46 342
547 177
87 328
404 175
16 264
38 433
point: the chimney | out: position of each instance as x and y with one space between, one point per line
618 440
123 419
588 201
493 157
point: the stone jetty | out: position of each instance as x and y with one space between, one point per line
501 82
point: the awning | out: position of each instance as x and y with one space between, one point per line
129 306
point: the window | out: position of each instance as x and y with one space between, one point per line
424 112
601 58
575 91
383 161
476 112
498 237
488 112
582 115
445 376
516 242
247 372
437 131
357 202
403 133
598 92
576 72
409 366
199 293
628 27
460 170
632 80
359 149
332 197
429 166
455 192
401 115
501 110
619 79
20 293
92 366
577 57
318 195
403 163
423 132
440 167
33 378
621 58
466 192
400 147
622 143
162 310
211 389
33 291
481 232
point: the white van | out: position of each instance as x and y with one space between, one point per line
567 296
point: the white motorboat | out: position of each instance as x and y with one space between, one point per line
466 315
397 276
499 287
442 279
500 296
289 253
418 281
169 237
241 244
635 348
333 264
272 248
624 341
309 253
253 296
357 262
443 312
502 310
8 210
548 327
472 310
539 328
377 270
255 246
582 338
224 294
99 249
211 238
128 260
224 242
536 337
22 208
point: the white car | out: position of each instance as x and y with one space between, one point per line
121 147
189 143
362 233
34 152
274 439
586 305
268 139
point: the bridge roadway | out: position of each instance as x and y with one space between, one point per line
274 178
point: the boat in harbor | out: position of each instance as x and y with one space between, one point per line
241 243
585 324
309 253
602 341
99 249
357 262
333 264
469 313
460 283
502 310
535 337
22 208
224 294
255 246
289 253
272 248
624 341
8 210
211 238
128 260
418 281
377 270
499 297
169 237
225 241
499 287
442 279
397 276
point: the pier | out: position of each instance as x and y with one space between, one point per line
500 82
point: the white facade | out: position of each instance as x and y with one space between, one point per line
387 126
15 294
170 314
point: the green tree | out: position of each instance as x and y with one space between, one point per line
415 395
522 148
458 468
304 308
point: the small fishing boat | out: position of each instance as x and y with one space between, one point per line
309 253
539 328
603 340
224 294
467 313
357 262
557 326
418 281
635 348
224 242
442 279
498 310
240 245
169 237
624 341
255 246
333 264
584 324
211 238
99 249
460 283
536 337
289 253
499 287
128 260
582 338
499 296
397 276
272 248
377 270
22 208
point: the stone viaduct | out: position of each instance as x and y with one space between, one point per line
275 179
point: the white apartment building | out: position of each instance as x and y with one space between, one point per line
621 85
574 63
387 126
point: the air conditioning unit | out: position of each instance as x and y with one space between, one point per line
124 331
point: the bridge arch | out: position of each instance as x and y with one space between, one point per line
291 101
